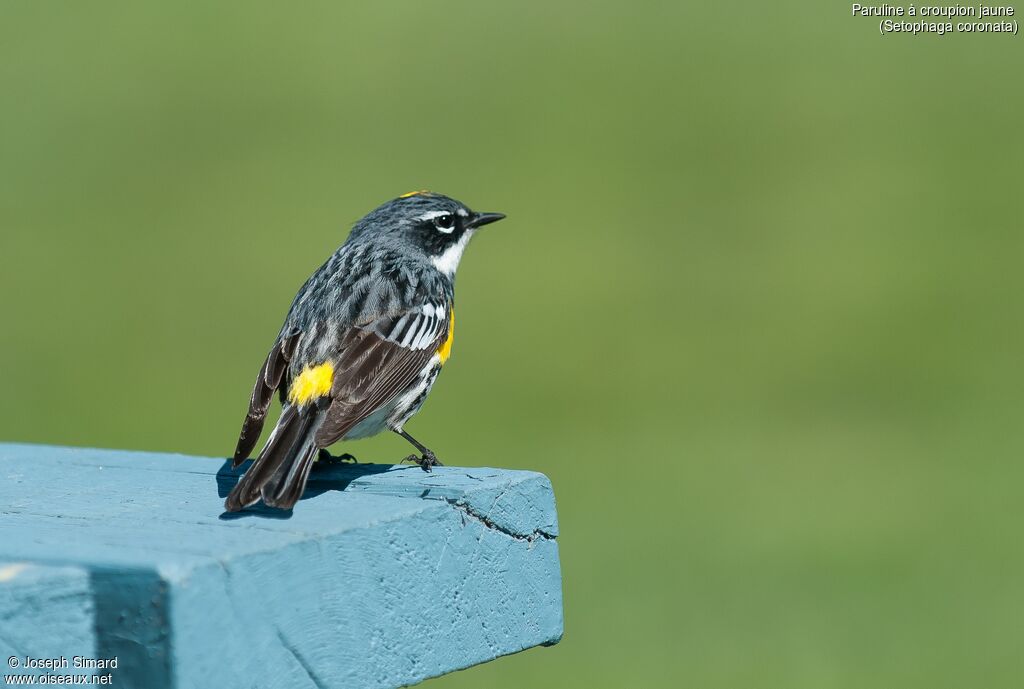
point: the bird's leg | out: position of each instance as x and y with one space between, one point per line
326 458
427 460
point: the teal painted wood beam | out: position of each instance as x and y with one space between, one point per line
383 576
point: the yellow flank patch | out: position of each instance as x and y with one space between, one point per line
445 350
314 382
414 193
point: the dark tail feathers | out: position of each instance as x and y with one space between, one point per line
279 474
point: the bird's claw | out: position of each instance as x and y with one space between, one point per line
426 461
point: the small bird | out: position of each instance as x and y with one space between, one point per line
361 346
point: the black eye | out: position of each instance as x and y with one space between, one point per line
445 223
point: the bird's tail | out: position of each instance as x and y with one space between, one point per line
280 472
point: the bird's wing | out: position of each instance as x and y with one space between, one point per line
380 360
268 380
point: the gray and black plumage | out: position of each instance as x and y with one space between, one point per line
363 343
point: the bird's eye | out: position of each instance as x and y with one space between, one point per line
445 223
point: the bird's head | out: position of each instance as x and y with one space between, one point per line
431 225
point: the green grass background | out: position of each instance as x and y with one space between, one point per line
755 311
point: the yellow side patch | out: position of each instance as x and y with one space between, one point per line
445 350
414 193
314 382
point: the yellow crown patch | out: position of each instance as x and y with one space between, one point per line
414 193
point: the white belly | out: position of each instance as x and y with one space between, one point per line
372 424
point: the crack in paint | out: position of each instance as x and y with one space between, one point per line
463 507
300 660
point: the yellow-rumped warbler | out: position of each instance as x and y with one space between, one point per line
362 344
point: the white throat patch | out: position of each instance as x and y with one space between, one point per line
448 261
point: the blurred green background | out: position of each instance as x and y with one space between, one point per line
755 311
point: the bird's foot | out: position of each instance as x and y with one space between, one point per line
427 460
326 458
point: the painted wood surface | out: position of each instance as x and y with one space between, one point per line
381 577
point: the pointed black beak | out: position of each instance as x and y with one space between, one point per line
481 219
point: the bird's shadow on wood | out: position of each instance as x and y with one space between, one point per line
328 477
